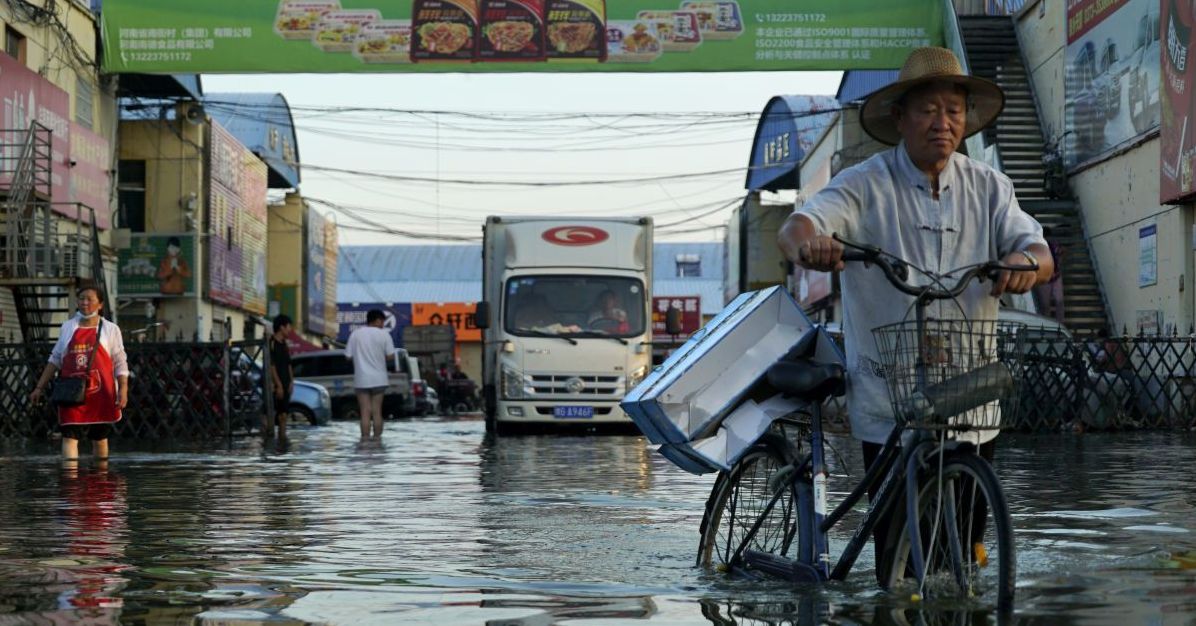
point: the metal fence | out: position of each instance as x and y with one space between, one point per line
1117 383
1114 383
177 391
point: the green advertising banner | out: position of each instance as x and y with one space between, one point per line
152 36
157 266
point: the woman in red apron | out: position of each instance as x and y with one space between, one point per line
106 370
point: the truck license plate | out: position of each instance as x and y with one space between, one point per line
573 411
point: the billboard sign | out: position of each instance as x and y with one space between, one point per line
90 183
350 317
316 275
691 314
459 315
157 266
28 98
1177 148
151 36
237 224
1111 78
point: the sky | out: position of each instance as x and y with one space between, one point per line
424 158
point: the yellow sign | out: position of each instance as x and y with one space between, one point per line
459 315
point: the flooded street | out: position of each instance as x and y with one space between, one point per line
441 525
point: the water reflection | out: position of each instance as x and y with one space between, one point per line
442 525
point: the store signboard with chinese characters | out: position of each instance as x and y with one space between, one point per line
90 183
459 315
317 276
691 315
151 36
28 98
237 234
1177 138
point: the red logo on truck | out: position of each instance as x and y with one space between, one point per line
575 235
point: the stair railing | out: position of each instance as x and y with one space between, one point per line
978 148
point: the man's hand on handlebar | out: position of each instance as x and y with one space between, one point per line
821 253
1008 281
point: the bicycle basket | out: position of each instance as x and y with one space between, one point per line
952 374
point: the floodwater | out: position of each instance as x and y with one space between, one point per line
441 525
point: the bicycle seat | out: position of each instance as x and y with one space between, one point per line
808 380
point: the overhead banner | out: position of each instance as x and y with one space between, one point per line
151 36
1177 149
1112 75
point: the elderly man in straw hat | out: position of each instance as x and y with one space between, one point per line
925 202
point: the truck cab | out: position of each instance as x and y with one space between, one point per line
566 319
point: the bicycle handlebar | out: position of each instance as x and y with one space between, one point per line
897 271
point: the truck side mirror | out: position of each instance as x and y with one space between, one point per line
672 321
481 315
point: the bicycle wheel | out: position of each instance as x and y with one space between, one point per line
973 557
739 498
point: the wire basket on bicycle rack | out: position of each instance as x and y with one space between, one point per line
951 374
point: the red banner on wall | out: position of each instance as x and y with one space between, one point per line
27 97
1176 147
691 314
89 182
1082 15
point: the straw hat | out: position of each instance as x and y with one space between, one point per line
931 65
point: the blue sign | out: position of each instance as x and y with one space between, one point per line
350 317
788 128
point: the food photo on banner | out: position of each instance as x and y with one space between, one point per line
157 266
1111 76
514 35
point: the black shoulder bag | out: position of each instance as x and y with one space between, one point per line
72 390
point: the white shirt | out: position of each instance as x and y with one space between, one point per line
369 347
887 202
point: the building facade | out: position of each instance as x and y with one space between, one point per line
58 125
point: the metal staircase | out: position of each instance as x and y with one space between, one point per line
49 251
993 53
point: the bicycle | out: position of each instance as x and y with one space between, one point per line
946 378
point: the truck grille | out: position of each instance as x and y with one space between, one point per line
577 385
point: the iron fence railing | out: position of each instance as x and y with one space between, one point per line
177 391
1116 383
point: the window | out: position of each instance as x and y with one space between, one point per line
689 266
14 44
579 306
130 187
83 103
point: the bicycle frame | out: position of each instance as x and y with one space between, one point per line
815 535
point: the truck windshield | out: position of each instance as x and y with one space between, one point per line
587 306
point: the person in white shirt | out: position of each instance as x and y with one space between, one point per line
369 348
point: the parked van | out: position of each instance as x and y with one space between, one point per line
332 370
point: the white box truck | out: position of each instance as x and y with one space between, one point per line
565 318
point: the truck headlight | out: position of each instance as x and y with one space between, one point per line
512 383
325 398
636 377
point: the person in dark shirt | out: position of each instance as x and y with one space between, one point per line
281 377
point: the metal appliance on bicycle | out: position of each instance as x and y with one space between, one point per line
950 531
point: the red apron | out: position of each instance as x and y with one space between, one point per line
99 404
